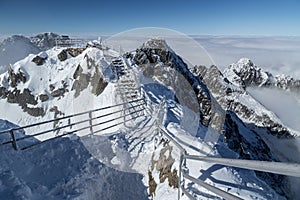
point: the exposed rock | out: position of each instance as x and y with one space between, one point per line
287 83
59 92
98 83
57 113
83 80
45 41
3 92
164 166
21 98
226 94
38 60
44 97
15 78
157 53
77 72
63 55
51 87
152 185
245 73
249 145
81 83
75 51
36 112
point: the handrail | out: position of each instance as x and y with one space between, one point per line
68 116
289 169
165 132
74 131
222 193
69 125
186 193
13 140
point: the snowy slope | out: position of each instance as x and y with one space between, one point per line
64 169
15 48
128 162
52 87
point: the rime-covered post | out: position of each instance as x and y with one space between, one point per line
90 122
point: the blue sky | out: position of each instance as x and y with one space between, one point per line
208 17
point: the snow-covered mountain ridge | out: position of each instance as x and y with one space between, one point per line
229 88
17 47
56 78
245 73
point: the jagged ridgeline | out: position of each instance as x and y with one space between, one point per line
44 83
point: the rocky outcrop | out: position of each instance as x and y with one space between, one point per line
81 81
75 51
93 77
156 55
38 60
57 114
44 97
97 82
63 55
15 77
22 98
245 73
287 83
59 91
25 99
164 165
227 95
249 145
45 41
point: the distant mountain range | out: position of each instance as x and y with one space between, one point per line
42 85
17 47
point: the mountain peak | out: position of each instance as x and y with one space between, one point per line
156 43
45 41
245 62
245 73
